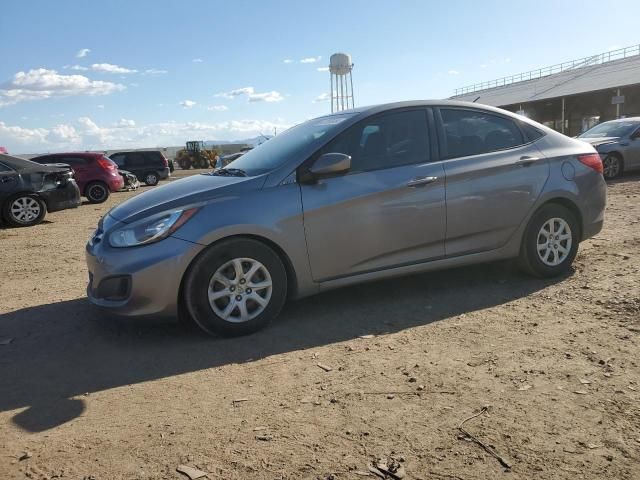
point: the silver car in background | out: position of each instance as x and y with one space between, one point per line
618 143
356 196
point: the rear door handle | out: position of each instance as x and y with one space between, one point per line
526 160
420 181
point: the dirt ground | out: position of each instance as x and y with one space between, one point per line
555 363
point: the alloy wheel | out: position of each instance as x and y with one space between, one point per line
240 290
25 209
96 192
554 242
611 166
151 179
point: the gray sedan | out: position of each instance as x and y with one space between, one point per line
618 143
356 196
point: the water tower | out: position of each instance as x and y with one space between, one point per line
340 67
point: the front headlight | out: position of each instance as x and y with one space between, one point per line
149 230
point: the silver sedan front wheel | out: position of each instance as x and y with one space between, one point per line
554 241
240 290
612 167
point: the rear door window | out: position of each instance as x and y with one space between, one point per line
73 161
135 159
471 132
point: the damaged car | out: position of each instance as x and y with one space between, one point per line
131 182
618 144
29 190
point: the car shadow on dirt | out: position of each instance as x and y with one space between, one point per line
64 350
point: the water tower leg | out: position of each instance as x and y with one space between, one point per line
331 78
353 102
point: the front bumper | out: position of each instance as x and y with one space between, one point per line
63 197
138 281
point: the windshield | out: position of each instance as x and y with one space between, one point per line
610 129
272 153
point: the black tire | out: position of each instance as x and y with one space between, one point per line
612 166
531 261
151 178
96 192
201 272
14 213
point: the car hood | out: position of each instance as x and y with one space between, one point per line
198 189
599 140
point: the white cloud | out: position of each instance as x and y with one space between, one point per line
269 97
123 122
63 134
87 134
101 106
252 96
311 59
155 71
507 60
110 68
78 68
197 60
453 72
41 83
134 84
218 108
287 60
484 65
188 103
322 69
324 97
83 52
13 137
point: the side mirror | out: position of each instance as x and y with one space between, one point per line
331 164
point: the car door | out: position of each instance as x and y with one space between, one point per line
632 156
9 181
494 176
388 210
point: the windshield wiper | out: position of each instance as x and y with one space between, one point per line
229 172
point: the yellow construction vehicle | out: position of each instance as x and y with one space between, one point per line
196 155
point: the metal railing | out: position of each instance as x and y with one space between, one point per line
605 57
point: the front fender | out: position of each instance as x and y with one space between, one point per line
274 214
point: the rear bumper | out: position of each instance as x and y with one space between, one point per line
115 183
61 198
164 173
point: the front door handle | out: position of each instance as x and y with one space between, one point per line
420 181
526 160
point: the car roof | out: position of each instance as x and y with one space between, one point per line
77 154
622 120
371 109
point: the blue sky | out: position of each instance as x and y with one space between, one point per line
77 75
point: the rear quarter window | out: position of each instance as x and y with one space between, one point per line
530 132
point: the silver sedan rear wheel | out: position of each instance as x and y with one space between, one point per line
240 290
554 241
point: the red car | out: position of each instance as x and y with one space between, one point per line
95 174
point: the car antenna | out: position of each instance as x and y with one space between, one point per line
477 98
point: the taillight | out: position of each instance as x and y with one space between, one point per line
107 164
592 160
164 160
